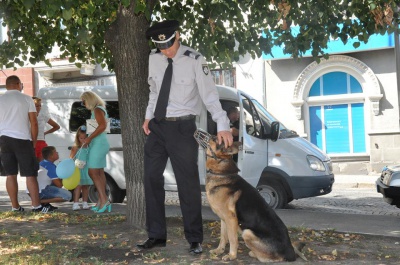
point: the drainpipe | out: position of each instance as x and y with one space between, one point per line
397 56
264 85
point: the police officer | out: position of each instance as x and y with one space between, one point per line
170 131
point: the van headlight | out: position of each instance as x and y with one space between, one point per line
315 163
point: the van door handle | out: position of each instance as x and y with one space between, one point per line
249 152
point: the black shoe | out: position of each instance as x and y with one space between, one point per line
48 205
195 248
152 242
43 209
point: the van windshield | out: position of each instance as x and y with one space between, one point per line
268 118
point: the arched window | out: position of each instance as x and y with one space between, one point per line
336 97
337 128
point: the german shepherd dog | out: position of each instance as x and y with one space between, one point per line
241 208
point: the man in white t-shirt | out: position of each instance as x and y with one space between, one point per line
18 134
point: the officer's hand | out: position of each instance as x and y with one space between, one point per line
226 136
145 127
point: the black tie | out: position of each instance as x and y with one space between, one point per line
162 102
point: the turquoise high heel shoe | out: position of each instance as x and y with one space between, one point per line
94 208
106 207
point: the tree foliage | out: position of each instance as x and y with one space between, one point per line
221 30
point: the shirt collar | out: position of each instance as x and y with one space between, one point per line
12 91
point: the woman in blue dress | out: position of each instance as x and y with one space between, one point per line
98 148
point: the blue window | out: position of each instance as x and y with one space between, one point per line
337 128
335 83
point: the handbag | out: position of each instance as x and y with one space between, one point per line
80 163
91 125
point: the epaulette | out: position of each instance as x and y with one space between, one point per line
191 54
154 51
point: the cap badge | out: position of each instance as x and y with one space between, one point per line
161 37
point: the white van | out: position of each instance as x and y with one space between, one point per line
289 168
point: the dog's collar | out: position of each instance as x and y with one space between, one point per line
214 156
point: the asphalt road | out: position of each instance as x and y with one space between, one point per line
345 198
365 200
348 200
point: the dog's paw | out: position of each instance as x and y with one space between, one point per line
217 251
229 257
251 254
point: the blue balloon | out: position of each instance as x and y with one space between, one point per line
65 168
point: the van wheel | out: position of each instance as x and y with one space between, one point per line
114 193
273 193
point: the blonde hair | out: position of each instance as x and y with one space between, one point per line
37 100
79 132
92 100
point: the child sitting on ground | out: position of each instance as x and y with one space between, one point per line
81 151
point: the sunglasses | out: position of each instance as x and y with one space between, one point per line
83 128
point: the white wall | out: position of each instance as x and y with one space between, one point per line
281 77
383 64
250 76
3 32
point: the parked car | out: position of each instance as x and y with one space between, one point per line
287 169
388 184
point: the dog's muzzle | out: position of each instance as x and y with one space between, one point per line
202 137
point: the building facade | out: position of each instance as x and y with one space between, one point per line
347 105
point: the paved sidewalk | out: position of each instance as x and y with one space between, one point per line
381 225
356 181
342 181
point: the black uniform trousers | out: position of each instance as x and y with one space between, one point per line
174 140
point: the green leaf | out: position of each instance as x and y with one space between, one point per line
67 14
140 8
28 4
126 3
356 44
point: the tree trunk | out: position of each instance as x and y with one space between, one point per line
130 49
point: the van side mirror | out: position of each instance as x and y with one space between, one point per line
274 131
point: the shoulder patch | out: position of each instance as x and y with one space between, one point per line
205 69
192 54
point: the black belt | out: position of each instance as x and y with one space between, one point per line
181 118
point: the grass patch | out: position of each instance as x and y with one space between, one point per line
60 238
33 248
41 238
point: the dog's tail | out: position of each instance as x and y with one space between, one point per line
298 247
